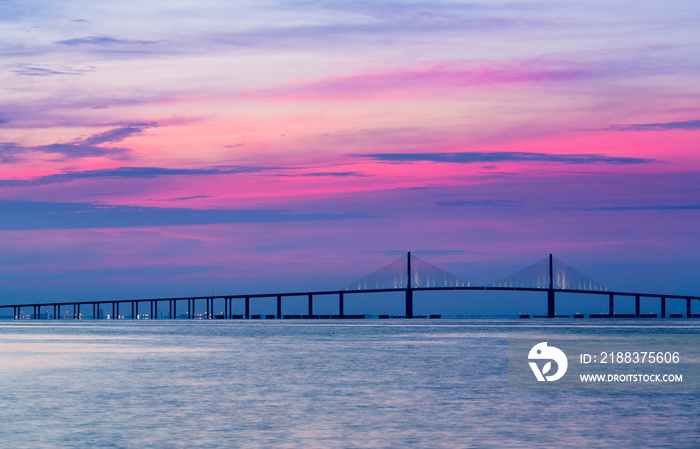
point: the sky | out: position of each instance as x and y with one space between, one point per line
175 148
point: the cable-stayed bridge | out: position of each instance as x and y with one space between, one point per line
406 274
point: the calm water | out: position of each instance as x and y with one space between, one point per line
291 384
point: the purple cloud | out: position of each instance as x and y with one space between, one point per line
128 173
496 203
79 148
513 156
102 40
662 207
46 215
117 134
690 125
32 70
341 174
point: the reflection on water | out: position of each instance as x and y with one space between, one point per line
439 383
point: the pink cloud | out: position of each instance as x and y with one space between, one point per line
412 82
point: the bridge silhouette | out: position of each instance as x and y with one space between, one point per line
408 274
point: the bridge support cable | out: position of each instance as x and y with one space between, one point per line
398 276
551 274
406 273
551 271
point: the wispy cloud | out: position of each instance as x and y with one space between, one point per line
154 172
484 157
400 252
78 148
667 126
117 134
127 173
342 23
46 215
36 70
102 40
629 208
487 203
187 198
341 174
428 77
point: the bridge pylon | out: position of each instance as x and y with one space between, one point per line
409 290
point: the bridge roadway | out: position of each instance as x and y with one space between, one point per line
172 302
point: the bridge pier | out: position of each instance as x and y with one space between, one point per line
247 307
550 303
611 305
279 307
636 306
341 305
311 304
687 308
550 293
663 307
